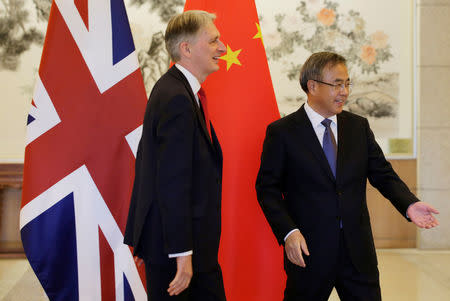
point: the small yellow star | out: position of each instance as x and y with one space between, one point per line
231 57
258 35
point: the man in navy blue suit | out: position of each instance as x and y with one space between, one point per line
175 212
312 188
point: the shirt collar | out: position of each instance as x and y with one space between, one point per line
192 80
315 117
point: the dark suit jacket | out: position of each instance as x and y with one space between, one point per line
176 199
296 188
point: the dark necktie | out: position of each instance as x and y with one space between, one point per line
204 104
329 145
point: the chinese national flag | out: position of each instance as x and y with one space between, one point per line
242 104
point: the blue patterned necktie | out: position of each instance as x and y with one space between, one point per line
329 145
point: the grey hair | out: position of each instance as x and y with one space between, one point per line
315 64
184 27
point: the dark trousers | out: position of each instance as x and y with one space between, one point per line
206 286
351 285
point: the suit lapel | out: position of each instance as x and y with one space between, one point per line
309 138
177 74
217 146
344 140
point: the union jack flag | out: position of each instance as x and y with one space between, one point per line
83 129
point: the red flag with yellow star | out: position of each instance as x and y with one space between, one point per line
241 105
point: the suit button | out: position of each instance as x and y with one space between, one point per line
339 193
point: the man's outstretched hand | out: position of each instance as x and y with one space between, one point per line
421 214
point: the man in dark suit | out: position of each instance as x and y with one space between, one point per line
175 212
312 188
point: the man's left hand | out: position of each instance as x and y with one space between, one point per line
138 261
182 277
421 214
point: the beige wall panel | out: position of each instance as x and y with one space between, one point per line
434 35
434 158
390 229
433 2
434 114
434 97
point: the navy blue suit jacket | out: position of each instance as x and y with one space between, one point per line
296 188
176 199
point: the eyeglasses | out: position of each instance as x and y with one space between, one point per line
338 87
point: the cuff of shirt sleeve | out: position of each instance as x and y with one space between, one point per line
180 254
290 232
407 211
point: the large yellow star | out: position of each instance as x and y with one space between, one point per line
231 57
258 35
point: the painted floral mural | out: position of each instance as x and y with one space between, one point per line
344 32
17 33
154 59
292 30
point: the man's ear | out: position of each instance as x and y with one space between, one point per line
185 49
312 85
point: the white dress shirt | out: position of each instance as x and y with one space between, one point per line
192 80
318 127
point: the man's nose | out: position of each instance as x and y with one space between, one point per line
345 90
222 47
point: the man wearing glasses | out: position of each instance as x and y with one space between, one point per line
312 188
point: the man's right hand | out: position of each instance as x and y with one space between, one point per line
182 277
294 245
138 261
